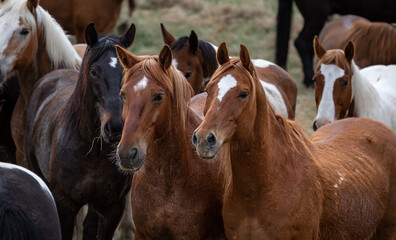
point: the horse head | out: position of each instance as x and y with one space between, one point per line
333 90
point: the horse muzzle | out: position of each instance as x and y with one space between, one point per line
130 159
207 146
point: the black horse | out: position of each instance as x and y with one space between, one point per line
27 208
73 123
315 14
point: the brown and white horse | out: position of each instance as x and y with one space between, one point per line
281 185
343 90
175 194
32 44
197 60
375 40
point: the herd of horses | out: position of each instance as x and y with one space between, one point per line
199 144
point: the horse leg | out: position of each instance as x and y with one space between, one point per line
78 228
111 216
126 228
91 224
314 20
67 213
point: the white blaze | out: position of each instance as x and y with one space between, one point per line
225 84
142 84
113 62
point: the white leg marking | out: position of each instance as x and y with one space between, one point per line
224 85
142 84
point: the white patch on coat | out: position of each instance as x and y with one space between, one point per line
174 63
275 98
225 84
113 62
261 63
214 46
326 109
142 84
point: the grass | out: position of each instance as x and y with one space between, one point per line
248 22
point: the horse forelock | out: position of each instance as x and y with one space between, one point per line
335 57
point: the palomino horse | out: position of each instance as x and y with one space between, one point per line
281 185
315 14
175 195
375 40
75 15
73 122
343 90
197 60
32 44
27 208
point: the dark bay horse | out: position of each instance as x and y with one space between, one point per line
341 184
197 60
32 44
375 41
73 123
27 208
315 14
175 195
75 15
343 90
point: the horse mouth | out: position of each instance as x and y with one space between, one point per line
208 153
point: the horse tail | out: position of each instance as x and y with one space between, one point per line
283 31
15 223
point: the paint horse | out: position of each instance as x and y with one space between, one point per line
27 208
343 90
175 195
33 44
281 185
197 60
375 40
74 15
73 122
315 14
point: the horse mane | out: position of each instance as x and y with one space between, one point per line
15 223
171 80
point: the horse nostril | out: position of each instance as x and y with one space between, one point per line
195 139
314 127
107 129
134 154
211 139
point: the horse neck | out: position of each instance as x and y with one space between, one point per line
363 92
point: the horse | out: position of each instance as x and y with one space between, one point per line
74 15
73 123
175 195
343 90
315 14
33 44
375 40
340 184
197 60
27 208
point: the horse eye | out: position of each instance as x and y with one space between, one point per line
344 83
187 75
243 94
93 73
25 31
158 97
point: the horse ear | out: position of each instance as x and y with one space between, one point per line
318 48
32 4
245 58
168 38
222 54
349 51
91 36
126 58
129 36
165 57
193 42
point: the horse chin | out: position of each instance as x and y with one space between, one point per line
208 153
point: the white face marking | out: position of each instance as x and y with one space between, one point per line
326 109
261 63
174 63
225 84
275 98
37 178
142 84
113 62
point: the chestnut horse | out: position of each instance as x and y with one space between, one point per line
197 60
73 123
175 195
281 185
375 40
27 208
33 44
75 15
315 14
343 90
